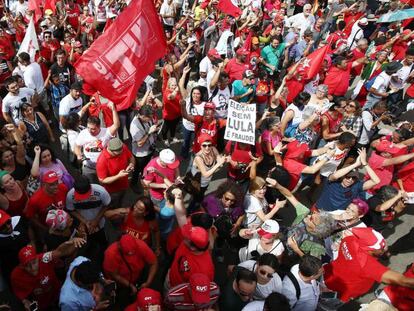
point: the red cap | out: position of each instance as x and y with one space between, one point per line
369 239
242 51
210 105
4 217
27 254
200 288
204 137
387 146
128 244
147 297
213 53
82 196
197 235
50 177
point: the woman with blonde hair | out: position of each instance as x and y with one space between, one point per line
256 207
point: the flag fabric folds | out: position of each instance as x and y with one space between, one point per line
30 44
120 59
313 62
229 7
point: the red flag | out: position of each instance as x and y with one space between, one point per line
120 59
313 62
34 5
50 5
248 42
229 7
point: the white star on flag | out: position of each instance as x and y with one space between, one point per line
306 63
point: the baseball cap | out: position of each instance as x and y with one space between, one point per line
82 189
168 157
200 288
27 254
147 297
4 217
127 244
387 146
248 74
213 53
242 51
115 144
363 21
204 137
369 239
210 105
197 235
268 228
57 219
50 177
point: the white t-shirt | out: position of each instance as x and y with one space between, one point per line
167 9
196 110
90 207
257 305
93 145
381 83
68 104
263 290
309 292
252 205
12 103
138 130
330 167
33 78
254 245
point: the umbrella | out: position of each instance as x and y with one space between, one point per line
396 16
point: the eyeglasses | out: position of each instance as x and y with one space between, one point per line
206 145
350 177
229 200
264 273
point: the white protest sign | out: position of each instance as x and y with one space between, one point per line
241 123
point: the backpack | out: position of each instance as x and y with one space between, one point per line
295 284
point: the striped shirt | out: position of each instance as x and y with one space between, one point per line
179 298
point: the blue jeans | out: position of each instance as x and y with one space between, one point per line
188 137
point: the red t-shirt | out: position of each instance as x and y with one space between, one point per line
295 169
241 156
354 272
174 240
356 54
402 298
114 262
44 287
179 298
155 178
40 203
406 174
294 86
73 16
140 232
337 80
186 263
171 109
235 70
385 173
107 166
399 48
204 127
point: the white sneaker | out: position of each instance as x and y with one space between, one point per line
176 140
167 143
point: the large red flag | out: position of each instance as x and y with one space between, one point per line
120 59
34 5
312 64
50 5
230 8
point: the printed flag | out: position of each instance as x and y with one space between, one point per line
30 44
120 59
229 7
313 62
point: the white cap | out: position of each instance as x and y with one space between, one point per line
168 157
363 21
270 226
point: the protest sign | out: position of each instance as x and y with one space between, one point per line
241 123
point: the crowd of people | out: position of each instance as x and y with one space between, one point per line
109 209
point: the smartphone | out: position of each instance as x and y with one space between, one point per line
34 306
329 295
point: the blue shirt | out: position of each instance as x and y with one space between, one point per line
166 219
57 92
73 297
336 197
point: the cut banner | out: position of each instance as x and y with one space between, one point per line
241 123
120 59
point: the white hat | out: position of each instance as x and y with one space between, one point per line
268 228
363 21
168 157
43 23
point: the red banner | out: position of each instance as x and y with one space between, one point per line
34 6
229 7
313 62
120 59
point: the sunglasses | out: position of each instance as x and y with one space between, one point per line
351 177
264 273
206 145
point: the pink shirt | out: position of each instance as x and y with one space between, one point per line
153 177
268 137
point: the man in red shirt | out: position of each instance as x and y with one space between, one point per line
359 53
198 294
35 276
191 257
113 167
206 124
124 261
356 269
52 195
238 65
